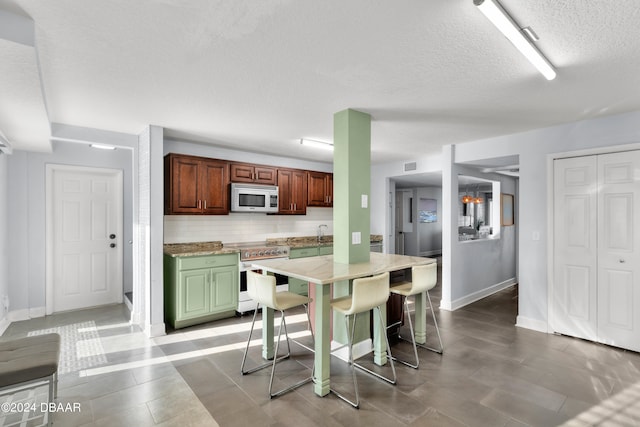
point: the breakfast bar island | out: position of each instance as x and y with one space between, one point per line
321 272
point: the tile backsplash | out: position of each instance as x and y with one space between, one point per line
244 227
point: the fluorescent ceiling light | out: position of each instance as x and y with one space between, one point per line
317 144
103 146
501 19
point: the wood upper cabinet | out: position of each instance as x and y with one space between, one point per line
195 185
292 191
320 189
254 174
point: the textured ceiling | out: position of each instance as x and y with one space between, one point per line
258 75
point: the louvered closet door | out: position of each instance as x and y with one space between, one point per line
596 291
574 303
618 254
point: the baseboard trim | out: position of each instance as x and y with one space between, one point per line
37 312
4 324
471 298
18 315
156 330
533 324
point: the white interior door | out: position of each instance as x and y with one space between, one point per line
86 237
618 254
596 292
574 302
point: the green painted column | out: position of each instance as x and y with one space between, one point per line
351 211
351 183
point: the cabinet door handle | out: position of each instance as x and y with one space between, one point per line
199 204
205 205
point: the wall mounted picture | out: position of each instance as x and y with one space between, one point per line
428 210
506 213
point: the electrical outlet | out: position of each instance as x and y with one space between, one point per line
356 238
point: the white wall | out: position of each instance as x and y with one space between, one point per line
535 148
4 240
26 214
185 147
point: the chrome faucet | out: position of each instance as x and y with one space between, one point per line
320 232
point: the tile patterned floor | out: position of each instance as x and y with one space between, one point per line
80 346
491 374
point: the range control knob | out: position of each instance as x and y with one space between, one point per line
246 254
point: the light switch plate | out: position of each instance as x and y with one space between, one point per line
356 238
364 201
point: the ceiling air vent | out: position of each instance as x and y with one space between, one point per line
410 166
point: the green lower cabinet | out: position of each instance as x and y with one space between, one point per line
298 286
200 289
194 290
325 250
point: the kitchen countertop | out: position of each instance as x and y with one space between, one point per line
323 270
218 248
197 249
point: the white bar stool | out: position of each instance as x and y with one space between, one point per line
423 279
262 289
367 293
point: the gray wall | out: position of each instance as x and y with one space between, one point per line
27 193
4 237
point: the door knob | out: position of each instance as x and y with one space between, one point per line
113 245
112 236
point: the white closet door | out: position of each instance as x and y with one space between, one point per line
618 254
574 302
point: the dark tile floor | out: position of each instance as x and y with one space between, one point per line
491 374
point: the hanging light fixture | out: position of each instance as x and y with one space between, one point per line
477 200
467 198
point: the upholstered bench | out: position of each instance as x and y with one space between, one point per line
30 362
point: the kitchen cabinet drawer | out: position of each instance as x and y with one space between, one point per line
207 261
303 252
254 174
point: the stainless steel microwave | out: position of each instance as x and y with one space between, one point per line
254 198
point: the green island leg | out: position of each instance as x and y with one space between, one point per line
379 342
322 337
267 333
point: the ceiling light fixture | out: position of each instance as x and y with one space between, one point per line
317 144
501 19
103 146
